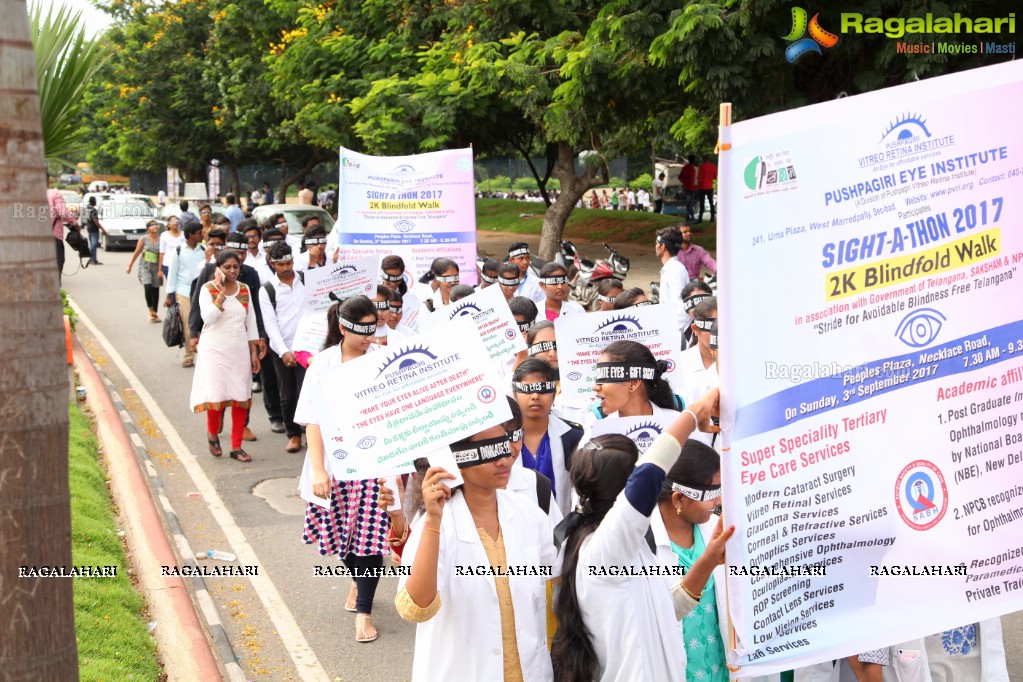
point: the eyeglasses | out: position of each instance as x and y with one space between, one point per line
205 212
284 224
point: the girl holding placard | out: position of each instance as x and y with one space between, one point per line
625 627
353 527
478 624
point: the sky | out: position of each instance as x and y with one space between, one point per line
95 20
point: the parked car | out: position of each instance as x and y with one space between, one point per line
295 213
71 199
70 179
124 217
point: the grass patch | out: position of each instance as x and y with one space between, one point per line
110 621
522 217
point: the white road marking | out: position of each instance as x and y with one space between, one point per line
306 663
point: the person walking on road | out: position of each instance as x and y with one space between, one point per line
59 214
353 527
90 219
227 357
707 174
169 241
185 262
149 267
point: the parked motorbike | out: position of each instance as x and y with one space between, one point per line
584 274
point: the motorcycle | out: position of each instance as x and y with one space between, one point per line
584 274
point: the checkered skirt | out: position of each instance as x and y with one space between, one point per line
354 524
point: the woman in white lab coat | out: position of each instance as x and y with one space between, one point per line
613 625
548 440
477 626
698 365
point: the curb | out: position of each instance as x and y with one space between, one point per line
215 650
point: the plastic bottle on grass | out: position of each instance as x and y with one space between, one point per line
216 554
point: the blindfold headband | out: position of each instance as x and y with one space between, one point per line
487 278
515 436
554 281
701 494
713 342
545 387
518 252
605 299
380 305
392 278
642 303
704 324
508 282
448 279
524 326
282 259
395 309
313 241
359 329
620 372
542 347
690 303
482 451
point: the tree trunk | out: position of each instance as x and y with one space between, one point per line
236 183
37 635
572 189
287 181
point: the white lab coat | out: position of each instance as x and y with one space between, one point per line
633 619
667 557
696 381
463 640
562 486
523 482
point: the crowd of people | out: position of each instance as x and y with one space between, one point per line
537 491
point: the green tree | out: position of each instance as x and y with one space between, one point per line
65 62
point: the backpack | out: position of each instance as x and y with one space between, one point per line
271 293
543 492
80 245
173 330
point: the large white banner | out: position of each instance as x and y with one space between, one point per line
582 338
414 396
419 207
872 375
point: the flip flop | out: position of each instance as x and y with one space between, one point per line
351 600
241 456
360 629
215 448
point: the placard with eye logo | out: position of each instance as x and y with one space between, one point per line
344 279
582 338
642 430
488 309
418 394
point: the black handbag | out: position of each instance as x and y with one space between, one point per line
173 332
79 244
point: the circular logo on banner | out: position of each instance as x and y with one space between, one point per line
487 394
574 376
340 454
671 365
921 495
509 334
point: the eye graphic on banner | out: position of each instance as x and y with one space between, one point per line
620 324
509 334
467 309
366 443
644 435
920 327
412 356
403 171
574 376
908 127
921 495
487 394
339 454
671 366
404 226
346 269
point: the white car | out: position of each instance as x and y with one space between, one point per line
124 218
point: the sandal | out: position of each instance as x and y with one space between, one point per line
350 602
241 456
214 442
361 621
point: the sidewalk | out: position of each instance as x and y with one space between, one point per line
187 635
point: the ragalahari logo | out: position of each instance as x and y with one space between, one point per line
800 45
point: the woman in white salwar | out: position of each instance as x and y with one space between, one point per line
228 356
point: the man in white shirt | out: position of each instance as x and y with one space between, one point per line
673 273
185 263
280 301
658 187
529 283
